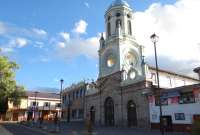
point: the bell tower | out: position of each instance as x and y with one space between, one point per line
118 49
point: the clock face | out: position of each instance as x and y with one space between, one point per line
110 62
132 74
130 58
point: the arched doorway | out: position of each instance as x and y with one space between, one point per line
131 114
92 114
109 111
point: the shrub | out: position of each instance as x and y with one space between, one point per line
196 128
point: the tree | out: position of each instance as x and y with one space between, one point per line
9 91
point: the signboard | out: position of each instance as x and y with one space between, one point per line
179 116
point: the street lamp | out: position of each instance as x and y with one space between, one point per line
61 87
35 107
154 38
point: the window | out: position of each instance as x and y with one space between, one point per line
128 15
118 23
77 94
118 14
74 114
69 97
84 92
80 114
73 95
63 99
34 103
179 116
109 18
46 104
81 92
108 29
129 28
58 105
186 97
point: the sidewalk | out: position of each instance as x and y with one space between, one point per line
4 131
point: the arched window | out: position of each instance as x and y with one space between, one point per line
118 23
118 14
129 28
109 18
108 29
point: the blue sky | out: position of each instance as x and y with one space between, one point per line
37 34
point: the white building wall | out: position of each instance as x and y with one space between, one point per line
188 109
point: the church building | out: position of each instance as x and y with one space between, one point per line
120 95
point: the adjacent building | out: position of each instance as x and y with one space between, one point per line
180 107
73 100
35 105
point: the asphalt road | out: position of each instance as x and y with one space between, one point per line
16 129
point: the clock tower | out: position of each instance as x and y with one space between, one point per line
118 49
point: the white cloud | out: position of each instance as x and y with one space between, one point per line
39 44
65 36
44 60
39 32
178 28
6 50
77 47
80 27
87 4
2 28
19 42
61 44
15 43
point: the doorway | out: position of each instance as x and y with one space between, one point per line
131 114
109 112
92 114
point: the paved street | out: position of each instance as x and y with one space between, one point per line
76 128
16 129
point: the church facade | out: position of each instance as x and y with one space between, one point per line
120 95
121 83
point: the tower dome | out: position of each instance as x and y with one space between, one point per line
119 3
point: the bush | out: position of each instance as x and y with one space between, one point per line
196 128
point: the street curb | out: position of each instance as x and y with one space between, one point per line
35 129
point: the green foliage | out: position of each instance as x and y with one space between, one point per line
196 128
8 87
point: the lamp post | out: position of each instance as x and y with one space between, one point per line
35 107
61 87
154 39
68 108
